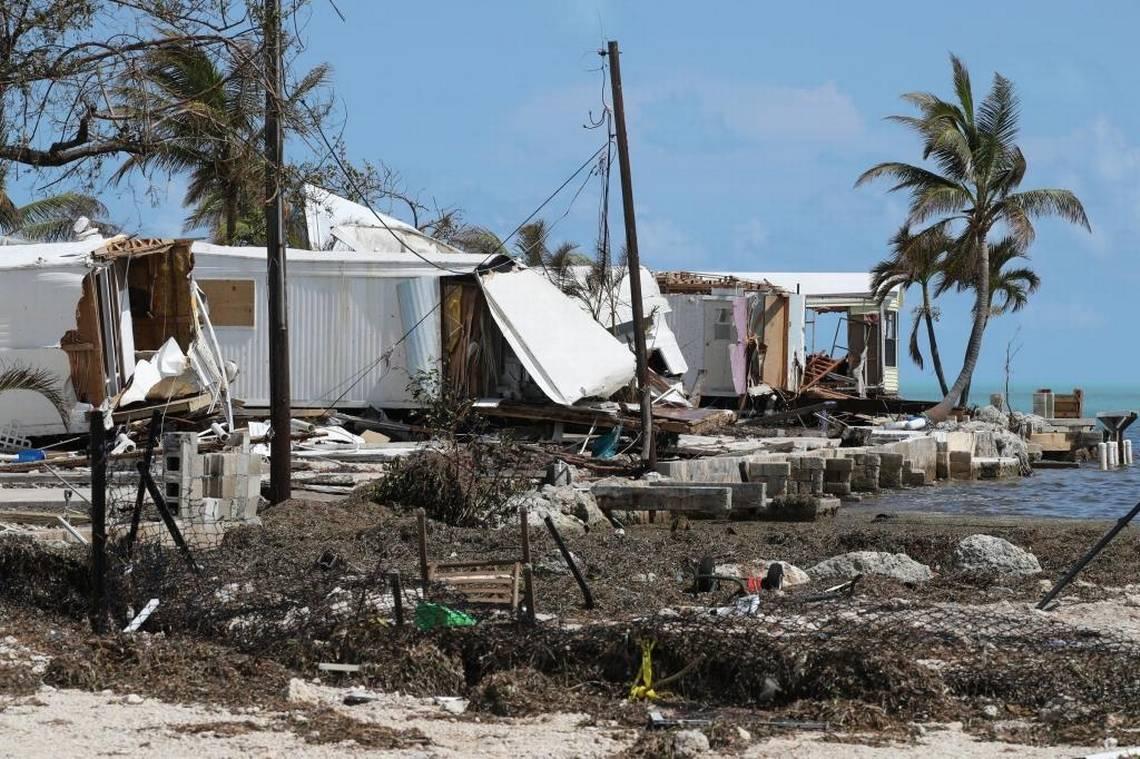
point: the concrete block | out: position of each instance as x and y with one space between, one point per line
943 465
710 499
837 488
760 469
802 508
817 482
961 465
844 466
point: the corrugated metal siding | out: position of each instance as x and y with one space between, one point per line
339 328
419 297
891 379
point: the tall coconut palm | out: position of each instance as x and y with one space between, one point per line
972 188
915 261
210 127
48 219
38 381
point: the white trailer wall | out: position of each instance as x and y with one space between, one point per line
344 315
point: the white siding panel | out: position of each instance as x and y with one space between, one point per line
686 318
339 328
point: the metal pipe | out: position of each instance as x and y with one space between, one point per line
586 594
1100 544
97 453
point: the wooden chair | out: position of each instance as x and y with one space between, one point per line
495 582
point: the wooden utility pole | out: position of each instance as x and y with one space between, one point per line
648 442
280 464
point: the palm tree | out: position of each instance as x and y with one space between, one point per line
532 248
38 381
1012 286
48 219
972 188
915 261
210 127
1009 288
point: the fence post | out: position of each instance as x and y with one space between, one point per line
97 453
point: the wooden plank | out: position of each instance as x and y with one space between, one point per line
231 301
707 499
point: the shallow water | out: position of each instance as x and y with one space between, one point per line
1076 493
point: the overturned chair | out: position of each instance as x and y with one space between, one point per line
492 582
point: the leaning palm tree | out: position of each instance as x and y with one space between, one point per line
971 189
39 381
49 219
1009 288
209 117
915 261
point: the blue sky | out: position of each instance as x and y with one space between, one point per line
749 123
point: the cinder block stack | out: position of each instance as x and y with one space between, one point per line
837 476
890 470
211 486
775 475
865 476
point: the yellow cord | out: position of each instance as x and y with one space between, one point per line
643 683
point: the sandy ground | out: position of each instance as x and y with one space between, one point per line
55 723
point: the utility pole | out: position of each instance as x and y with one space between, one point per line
648 442
280 465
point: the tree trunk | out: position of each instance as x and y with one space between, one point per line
974 346
965 399
231 213
935 357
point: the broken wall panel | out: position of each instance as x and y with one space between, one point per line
161 301
568 354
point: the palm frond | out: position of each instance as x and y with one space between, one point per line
914 348
962 87
39 381
1035 204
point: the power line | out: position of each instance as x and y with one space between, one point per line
364 200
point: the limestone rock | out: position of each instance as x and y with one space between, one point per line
302 693
688 743
991 415
986 553
793 575
897 566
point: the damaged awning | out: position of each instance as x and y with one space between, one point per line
567 354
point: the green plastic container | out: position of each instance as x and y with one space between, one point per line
430 616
